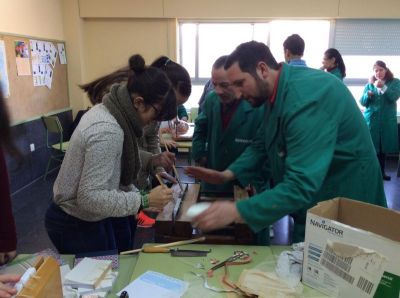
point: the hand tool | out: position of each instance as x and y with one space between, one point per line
237 255
176 252
177 243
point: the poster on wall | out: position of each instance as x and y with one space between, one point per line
61 53
22 58
4 84
40 56
53 55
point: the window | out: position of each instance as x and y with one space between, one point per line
361 43
202 43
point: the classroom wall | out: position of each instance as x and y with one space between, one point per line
109 43
39 18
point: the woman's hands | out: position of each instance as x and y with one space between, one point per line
159 197
7 291
379 83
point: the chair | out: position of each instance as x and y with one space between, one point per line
53 126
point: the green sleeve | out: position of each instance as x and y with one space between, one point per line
182 112
393 90
247 166
310 152
365 99
200 133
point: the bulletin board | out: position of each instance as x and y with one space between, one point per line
26 101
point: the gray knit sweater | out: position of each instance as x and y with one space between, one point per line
87 185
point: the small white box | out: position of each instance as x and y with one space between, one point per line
348 244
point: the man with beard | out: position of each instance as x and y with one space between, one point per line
224 129
314 138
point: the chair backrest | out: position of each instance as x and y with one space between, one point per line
53 125
193 114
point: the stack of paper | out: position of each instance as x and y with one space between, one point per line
89 273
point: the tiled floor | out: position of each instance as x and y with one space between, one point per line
30 205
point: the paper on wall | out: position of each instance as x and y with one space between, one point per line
48 78
4 83
23 66
53 55
61 52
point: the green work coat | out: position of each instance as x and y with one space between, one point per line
223 146
381 116
318 147
182 112
336 72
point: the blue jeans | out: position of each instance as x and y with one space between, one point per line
71 235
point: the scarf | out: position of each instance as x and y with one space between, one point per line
119 103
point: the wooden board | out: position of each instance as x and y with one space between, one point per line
167 230
25 100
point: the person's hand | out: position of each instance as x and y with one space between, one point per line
7 291
182 126
168 143
168 177
209 176
370 93
165 160
218 215
159 197
7 256
202 161
379 83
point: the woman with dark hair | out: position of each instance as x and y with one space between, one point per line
379 98
153 161
94 194
8 235
333 63
149 143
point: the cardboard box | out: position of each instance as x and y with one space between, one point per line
352 249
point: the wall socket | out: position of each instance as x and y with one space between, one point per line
32 146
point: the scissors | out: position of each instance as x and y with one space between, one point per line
237 255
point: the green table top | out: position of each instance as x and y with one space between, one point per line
263 258
132 266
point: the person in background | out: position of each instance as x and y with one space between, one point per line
182 113
8 234
94 195
379 98
333 63
224 129
293 49
313 136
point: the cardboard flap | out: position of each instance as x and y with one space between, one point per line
328 209
368 217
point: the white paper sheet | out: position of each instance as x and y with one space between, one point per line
158 284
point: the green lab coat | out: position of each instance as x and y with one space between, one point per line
336 72
222 147
318 146
182 112
381 115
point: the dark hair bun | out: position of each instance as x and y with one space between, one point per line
161 62
137 64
